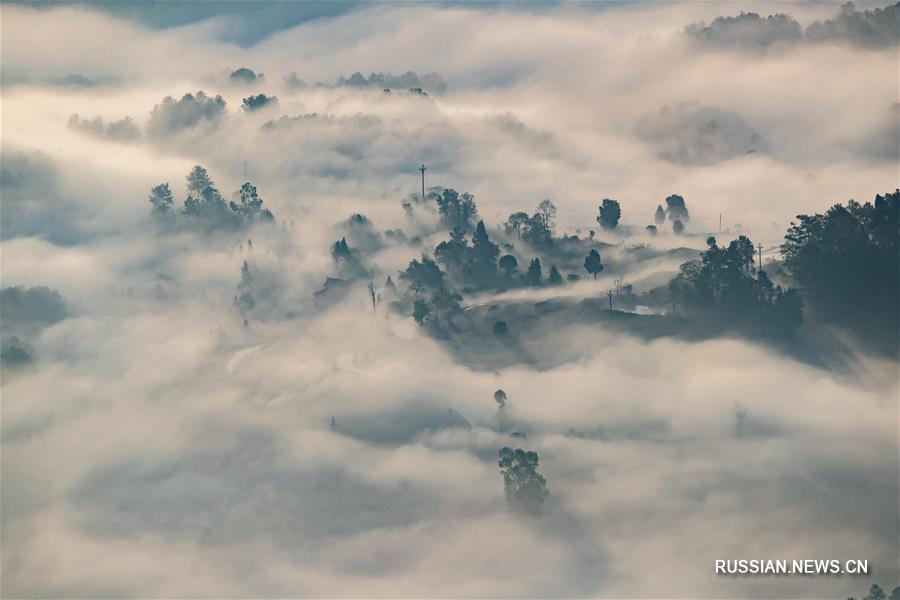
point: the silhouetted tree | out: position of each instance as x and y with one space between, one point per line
453 252
546 211
509 264
197 181
553 277
535 231
676 209
457 210
524 487
482 264
610 212
516 222
650 229
592 263
677 227
161 199
660 215
423 275
534 276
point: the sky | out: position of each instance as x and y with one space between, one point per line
160 447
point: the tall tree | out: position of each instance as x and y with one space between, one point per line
547 213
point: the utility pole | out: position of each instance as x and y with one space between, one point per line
760 257
422 168
610 294
333 424
720 222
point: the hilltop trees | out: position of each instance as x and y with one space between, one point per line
723 284
524 487
204 207
457 210
846 262
610 212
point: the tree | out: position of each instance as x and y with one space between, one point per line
547 213
650 229
250 207
534 276
677 227
676 209
524 487
457 210
197 181
423 275
554 278
482 264
508 264
592 263
535 231
610 212
660 215
161 199
452 252
516 222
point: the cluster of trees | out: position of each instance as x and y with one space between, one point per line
458 211
204 207
251 103
676 211
846 264
525 488
537 229
724 286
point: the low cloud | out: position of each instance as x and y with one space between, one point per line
693 134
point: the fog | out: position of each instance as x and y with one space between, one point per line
165 441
